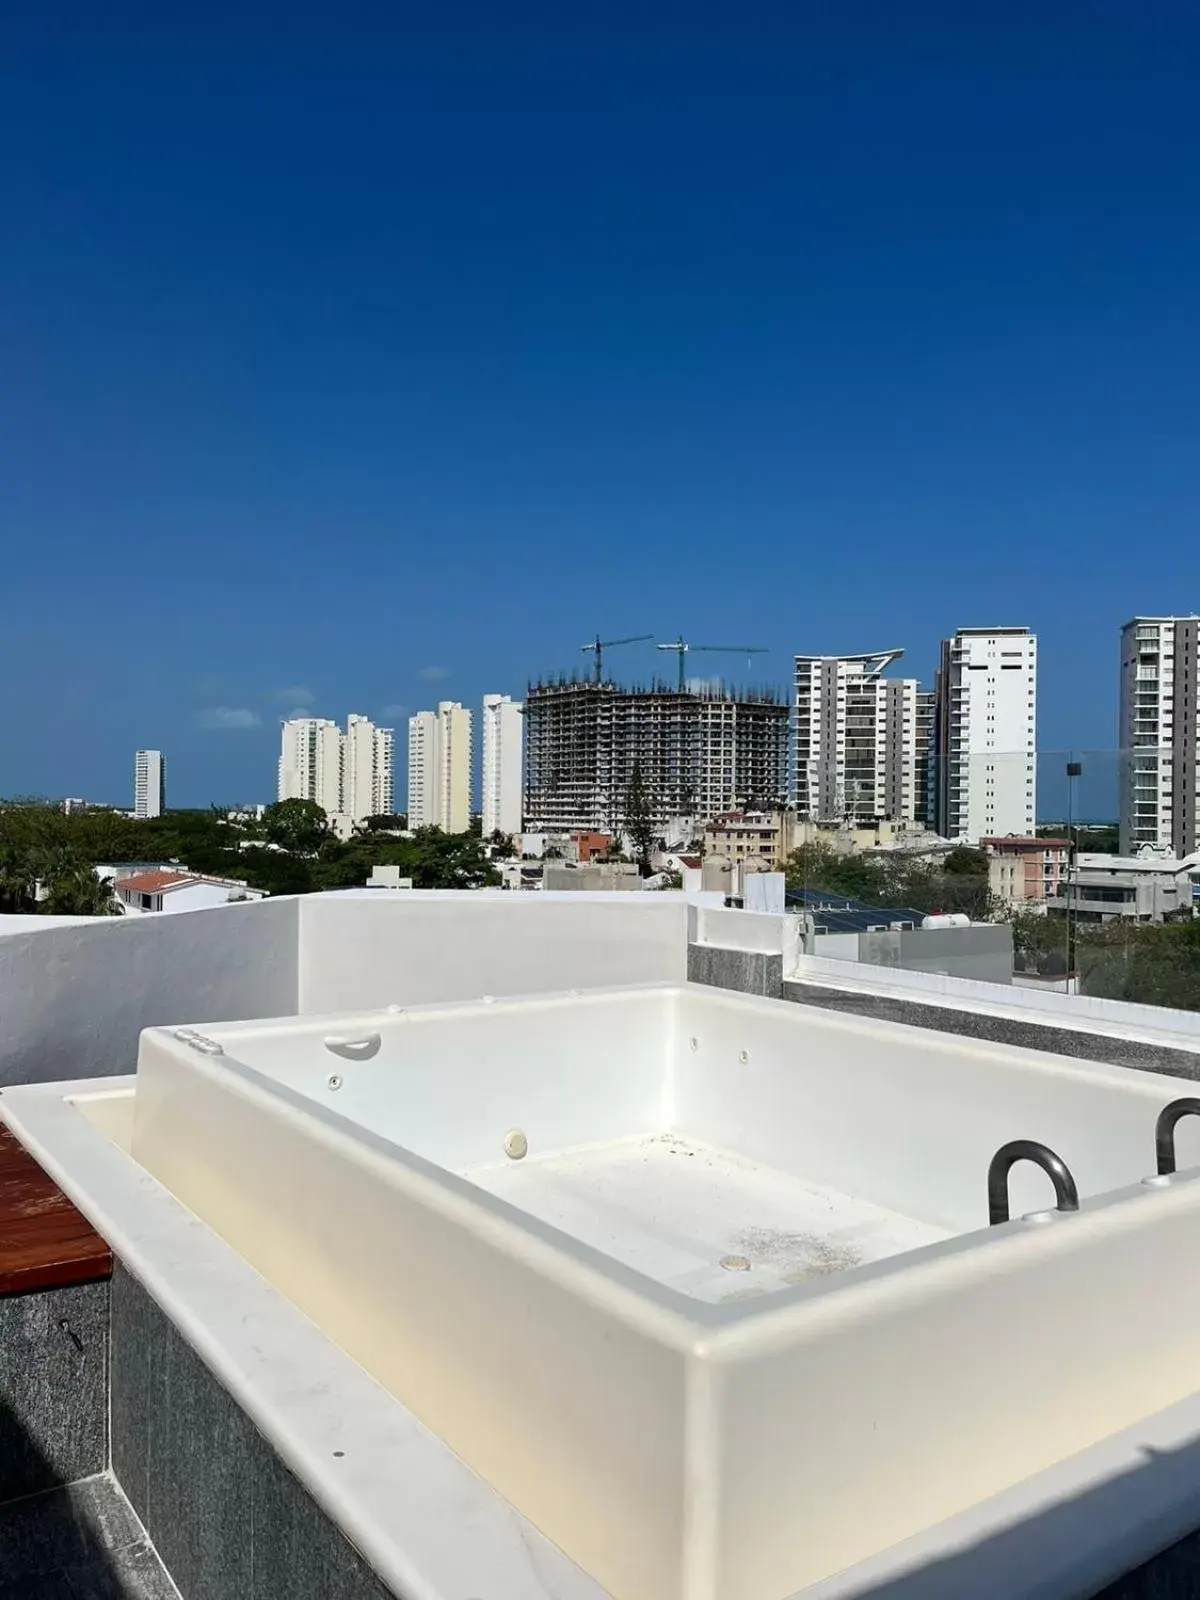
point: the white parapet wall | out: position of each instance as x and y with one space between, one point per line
74 996
76 993
372 948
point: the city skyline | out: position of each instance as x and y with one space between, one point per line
917 781
242 740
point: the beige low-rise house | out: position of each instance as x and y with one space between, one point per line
750 835
1024 871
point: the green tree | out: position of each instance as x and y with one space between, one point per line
298 826
431 858
964 861
17 881
1040 944
889 880
437 860
638 821
1156 964
816 865
276 872
78 892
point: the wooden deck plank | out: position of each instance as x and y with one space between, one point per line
44 1241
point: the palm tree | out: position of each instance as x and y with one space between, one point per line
76 891
17 881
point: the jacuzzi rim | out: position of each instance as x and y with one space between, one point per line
620 1289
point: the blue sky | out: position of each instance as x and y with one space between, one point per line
359 356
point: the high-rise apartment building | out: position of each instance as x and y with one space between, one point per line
422 770
439 768
854 739
310 762
367 769
149 783
348 774
986 740
700 752
502 764
1160 708
926 763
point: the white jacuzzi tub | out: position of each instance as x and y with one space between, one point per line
735 1319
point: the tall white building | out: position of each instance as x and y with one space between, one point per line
149 783
348 774
502 764
439 768
367 769
310 762
986 744
422 770
854 738
1160 734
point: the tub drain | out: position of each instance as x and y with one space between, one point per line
735 1263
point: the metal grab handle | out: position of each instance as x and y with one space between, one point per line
1164 1131
1066 1195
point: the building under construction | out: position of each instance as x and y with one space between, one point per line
701 751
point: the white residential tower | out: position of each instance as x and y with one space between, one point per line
1160 734
986 748
367 769
854 738
149 784
310 762
501 767
439 768
348 774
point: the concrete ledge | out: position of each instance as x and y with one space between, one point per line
1087 1045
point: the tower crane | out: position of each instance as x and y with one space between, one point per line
682 648
598 646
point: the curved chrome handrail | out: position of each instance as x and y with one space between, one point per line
1066 1195
1164 1131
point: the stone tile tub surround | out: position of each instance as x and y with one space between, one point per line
54 1271
228 1518
82 1541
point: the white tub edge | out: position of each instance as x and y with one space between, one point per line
445 1533
449 1534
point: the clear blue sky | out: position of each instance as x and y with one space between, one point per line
359 355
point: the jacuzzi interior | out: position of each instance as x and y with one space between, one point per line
869 1139
666 1264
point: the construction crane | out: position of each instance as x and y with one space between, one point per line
682 647
598 646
